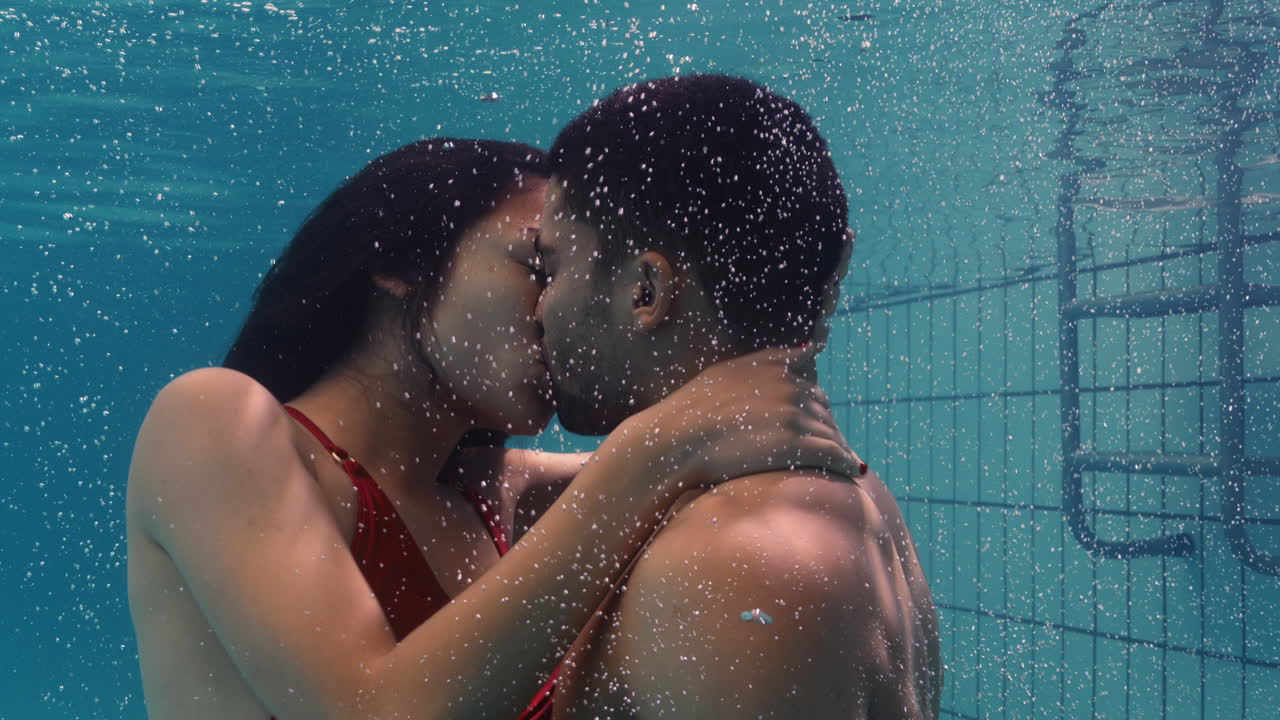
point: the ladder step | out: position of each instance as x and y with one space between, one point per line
1165 463
1202 298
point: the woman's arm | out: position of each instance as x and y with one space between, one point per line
529 481
216 482
522 483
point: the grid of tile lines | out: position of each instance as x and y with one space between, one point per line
923 525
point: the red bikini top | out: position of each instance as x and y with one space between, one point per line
392 563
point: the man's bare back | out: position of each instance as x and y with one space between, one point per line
845 626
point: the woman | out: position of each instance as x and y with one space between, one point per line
335 557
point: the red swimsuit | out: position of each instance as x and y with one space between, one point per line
393 565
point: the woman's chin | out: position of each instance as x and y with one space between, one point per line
531 418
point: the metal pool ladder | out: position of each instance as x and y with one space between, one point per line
1229 297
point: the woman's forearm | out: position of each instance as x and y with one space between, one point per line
488 652
542 479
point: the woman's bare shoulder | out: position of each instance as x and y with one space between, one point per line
218 403
211 423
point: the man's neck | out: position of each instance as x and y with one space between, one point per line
686 358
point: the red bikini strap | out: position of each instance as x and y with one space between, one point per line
336 452
491 518
353 468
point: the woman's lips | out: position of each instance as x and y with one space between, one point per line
535 350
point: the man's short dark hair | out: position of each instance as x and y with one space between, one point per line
732 178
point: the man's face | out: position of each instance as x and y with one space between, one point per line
585 333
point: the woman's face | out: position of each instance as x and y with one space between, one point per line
480 329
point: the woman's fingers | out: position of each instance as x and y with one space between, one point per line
827 454
785 356
764 411
820 426
823 414
821 396
806 369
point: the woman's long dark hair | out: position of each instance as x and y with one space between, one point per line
400 217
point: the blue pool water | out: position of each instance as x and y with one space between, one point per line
1006 164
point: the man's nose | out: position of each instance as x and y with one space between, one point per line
537 314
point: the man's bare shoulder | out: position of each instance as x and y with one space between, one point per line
803 539
756 595
818 556
809 512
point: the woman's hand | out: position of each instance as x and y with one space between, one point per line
756 413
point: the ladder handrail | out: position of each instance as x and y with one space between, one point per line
1229 297
1231 304
1063 98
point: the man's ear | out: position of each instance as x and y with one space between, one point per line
831 294
393 286
652 290
846 252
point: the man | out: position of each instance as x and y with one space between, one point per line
690 220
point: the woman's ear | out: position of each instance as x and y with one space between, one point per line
393 286
653 290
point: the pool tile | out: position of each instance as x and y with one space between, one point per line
1223 691
1049 672
991 572
1017 359
942 380
1020 476
1183 684
1111 675
1078 665
992 350
993 427
1262 617
991 672
967 469
1049 577
1145 700
1224 608
1262 696
920 364
1020 670
1047 450
966 529
1020 569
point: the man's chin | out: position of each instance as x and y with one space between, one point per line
584 418
581 424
